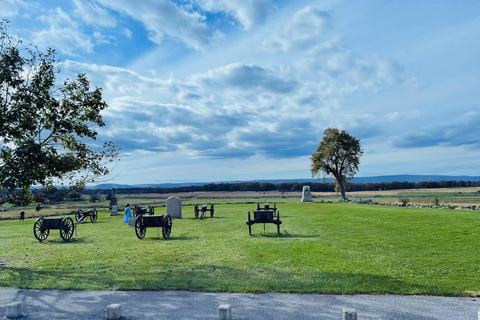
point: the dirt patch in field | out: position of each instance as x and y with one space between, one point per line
400 192
217 195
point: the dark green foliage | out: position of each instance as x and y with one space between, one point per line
94 197
20 197
337 155
404 201
46 129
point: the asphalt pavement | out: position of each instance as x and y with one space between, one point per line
76 305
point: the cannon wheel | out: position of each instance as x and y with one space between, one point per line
278 222
39 230
211 210
78 214
140 229
67 228
135 211
249 224
94 215
167 226
196 210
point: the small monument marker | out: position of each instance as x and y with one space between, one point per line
174 207
114 210
306 195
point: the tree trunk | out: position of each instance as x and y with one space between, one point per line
342 190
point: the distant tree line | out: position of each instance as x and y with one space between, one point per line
53 194
292 186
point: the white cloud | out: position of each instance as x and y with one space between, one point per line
246 77
102 39
62 35
11 8
241 110
127 32
248 13
307 28
92 13
163 19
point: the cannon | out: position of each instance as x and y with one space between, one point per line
264 216
138 211
144 222
81 215
42 227
200 212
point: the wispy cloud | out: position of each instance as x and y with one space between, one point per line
92 13
463 131
247 13
169 21
11 8
62 34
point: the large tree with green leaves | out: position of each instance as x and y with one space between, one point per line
337 155
48 130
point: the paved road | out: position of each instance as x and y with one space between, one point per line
76 305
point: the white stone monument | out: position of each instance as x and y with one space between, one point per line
131 222
114 210
174 207
306 195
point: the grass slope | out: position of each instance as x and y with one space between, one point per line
327 248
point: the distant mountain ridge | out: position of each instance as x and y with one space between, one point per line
375 179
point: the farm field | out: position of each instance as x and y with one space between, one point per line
454 197
324 248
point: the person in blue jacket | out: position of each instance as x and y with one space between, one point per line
128 213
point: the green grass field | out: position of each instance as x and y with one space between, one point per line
325 248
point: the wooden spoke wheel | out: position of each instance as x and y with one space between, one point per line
278 222
211 210
67 228
201 214
249 224
167 226
39 230
136 211
94 215
78 215
140 229
196 211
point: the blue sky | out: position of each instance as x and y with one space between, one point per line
210 90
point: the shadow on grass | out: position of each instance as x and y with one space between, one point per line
160 238
205 218
216 278
283 235
91 223
58 241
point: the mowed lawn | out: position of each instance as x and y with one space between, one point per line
325 248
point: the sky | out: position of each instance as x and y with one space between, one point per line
222 90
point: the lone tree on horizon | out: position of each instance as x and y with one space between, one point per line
337 155
48 130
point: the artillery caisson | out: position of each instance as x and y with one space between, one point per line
81 215
264 216
200 212
42 227
144 222
139 211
